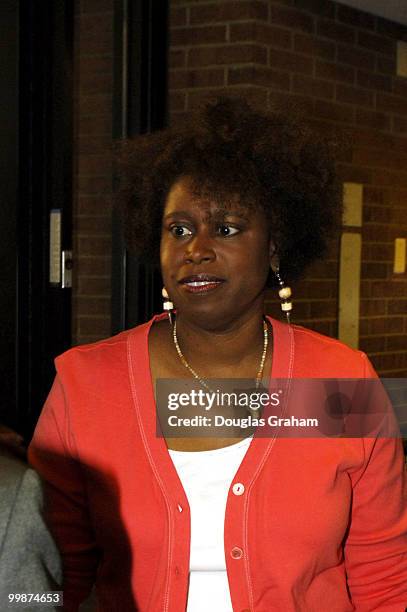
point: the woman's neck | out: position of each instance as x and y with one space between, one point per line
240 341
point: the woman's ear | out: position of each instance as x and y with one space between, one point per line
274 258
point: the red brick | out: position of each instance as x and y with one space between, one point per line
97 6
291 18
333 111
392 361
228 54
372 119
97 104
391 104
228 11
255 75
397 306
94 204
354 174
354 95
177 101
96 165
291 61
323 269
181 79
374 271
389 289
93 225
198 36
96 33
372 345
377 251
375 196
95 245
178 16
372 80
94 286
353 17
379 44
177 58
95 305
335 31
375 233
323 309
95 185
390 178
313 87
261 33
372 307
386 325
93 125
311 45
356 57
396 343
93 266
400 87
387 65
373 214
317 289
335 72
399 125
94 325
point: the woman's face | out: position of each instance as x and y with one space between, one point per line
214 261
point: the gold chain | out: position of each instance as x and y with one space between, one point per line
196 375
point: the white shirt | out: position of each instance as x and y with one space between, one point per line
206 477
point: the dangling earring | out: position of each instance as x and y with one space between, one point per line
284 291
284 294
167 305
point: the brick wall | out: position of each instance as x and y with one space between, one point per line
335 63
339 66
93 72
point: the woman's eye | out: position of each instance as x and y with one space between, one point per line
227 230
179 231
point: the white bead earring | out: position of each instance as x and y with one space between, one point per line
284 291
284 294
167 305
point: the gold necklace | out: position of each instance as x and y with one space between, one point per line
196 375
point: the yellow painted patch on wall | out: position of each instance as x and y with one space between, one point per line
349 288
399 266
352 202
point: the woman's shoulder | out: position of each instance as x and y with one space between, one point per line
108 352
320 355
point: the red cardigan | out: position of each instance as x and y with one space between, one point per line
321 524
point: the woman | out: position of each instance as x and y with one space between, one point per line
234 201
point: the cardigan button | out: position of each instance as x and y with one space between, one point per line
238 488
236 553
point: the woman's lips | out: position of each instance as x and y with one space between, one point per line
201 283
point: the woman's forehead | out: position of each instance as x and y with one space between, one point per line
190 194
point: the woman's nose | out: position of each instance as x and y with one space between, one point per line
200 249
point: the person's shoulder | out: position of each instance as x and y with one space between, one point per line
12 468
328 356
109 352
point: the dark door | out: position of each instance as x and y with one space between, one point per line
139 106
36 170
